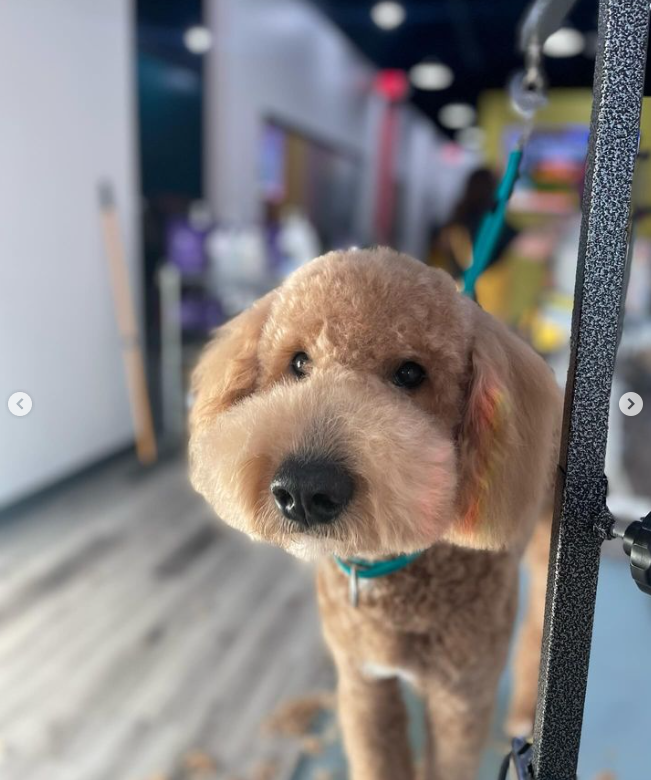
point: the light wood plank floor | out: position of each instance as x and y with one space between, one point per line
134 630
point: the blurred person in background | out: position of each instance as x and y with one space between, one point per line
452 246
525 264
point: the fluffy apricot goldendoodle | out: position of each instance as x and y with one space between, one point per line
368 415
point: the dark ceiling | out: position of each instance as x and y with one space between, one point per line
476 38
161 25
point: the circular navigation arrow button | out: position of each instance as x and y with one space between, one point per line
630 404
19 404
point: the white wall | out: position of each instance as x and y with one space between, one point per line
417 168
66 121
278 59
284 59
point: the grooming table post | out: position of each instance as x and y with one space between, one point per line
580 517
169 286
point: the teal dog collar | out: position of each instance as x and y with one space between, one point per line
356 568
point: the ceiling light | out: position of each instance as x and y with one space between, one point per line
456 116
471 138
197 39
566 42
431 76
388 16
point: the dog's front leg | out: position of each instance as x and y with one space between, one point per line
459 724
526 661
374 726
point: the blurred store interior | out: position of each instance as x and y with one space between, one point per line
238 139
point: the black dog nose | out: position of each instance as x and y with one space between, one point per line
312 491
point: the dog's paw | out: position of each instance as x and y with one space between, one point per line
518 725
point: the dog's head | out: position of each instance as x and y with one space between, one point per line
366 407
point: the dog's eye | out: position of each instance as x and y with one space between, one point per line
299 363
409 375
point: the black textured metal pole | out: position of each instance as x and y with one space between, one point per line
598 306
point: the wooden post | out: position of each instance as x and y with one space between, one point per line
126 319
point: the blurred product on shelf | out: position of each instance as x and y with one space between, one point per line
186 238
224 268
237 266
297 240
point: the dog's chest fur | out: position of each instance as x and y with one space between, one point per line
448 615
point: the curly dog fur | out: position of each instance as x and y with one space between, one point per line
459 467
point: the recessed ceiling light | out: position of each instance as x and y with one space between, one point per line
456 116
387 15
431 76
197 39
566 42
471 138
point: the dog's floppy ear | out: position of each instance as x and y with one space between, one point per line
507 438
228 368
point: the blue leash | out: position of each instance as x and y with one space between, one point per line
492 224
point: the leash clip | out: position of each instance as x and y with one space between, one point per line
528 88
353 586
